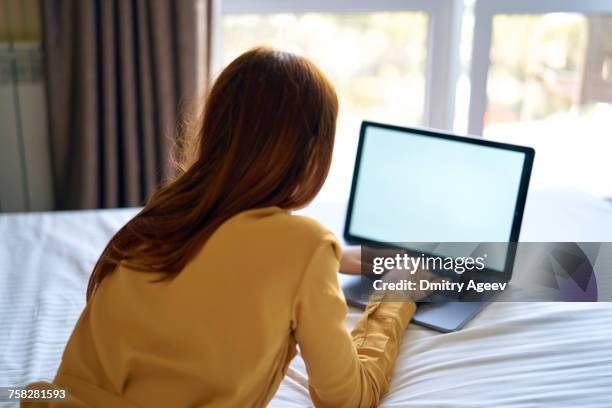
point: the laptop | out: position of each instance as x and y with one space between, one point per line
432 191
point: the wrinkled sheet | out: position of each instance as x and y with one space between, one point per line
510 355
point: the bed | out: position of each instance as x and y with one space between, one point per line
510 355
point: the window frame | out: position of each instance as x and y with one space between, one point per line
442 64
484 13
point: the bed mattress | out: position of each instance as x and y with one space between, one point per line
510 355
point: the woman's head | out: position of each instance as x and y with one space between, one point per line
263 138
267 130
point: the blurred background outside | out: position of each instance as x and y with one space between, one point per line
541 89
543 80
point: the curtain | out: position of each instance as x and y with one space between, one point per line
117 73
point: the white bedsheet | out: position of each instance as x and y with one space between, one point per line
510 355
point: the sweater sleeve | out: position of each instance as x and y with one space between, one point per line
345 370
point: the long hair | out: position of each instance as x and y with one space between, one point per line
264 138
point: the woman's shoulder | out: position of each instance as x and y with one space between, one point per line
284 225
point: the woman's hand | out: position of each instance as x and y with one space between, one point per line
417 294
351 260
351 264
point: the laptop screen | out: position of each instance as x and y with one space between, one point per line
417 187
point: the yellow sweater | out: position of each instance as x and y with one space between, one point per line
222 333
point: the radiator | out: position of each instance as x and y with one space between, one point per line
25 171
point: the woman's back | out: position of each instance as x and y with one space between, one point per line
218 334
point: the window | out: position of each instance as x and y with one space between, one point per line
541 77
377 60
521 71
377 54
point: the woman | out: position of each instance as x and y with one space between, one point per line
202 298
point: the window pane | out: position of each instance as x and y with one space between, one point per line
375 60
550 86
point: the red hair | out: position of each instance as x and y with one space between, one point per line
265 138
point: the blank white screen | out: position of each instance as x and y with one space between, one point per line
415 188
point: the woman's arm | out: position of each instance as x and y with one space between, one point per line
345 370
